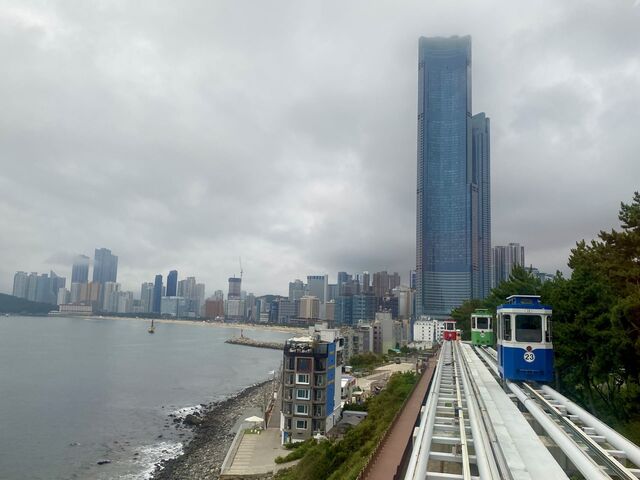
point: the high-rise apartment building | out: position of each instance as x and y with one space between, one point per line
504 259
105 266
80 269
20 284
235 288
309 308
172 283
448 246
146 297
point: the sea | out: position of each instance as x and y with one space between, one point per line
76 391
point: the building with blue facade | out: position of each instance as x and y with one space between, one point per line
312 375
448 247
172 283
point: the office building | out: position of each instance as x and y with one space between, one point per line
157 294
312 376
450 179
105 266
505 257
80 269
172 283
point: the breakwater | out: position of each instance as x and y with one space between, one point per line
249 342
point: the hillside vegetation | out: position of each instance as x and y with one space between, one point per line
11 304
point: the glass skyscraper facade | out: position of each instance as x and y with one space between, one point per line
450 257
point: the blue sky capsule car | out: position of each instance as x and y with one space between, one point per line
525 350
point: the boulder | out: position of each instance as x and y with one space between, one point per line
192 420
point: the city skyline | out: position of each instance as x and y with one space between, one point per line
314 171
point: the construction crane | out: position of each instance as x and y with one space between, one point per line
240 260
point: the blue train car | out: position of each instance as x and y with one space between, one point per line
525 349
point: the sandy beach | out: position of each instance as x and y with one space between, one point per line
204 454
202 323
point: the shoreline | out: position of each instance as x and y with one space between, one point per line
202 323
204 453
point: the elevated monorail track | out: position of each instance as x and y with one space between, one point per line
595 449
470 428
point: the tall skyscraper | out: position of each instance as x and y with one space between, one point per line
448 221
172 283
157 294
105 266
482 178
80 269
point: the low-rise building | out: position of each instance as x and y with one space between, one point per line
311 384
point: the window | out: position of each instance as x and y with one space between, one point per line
303 378
506 323
318 395
301 424
548 336
302 409
303 394
528 328
482 322
303 364
288 424
319 380
290 378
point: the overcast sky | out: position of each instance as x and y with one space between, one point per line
186 134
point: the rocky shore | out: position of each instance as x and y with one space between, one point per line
204 454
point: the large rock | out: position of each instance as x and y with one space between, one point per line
192 420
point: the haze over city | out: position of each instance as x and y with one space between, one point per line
285 133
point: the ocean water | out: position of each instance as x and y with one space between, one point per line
75 391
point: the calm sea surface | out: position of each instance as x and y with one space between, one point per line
74 391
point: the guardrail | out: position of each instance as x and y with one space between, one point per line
233 449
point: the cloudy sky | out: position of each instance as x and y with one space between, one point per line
186 134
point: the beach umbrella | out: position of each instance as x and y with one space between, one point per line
254 419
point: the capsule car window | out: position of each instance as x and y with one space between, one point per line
528 328
482 323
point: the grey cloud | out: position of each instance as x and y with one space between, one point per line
183 136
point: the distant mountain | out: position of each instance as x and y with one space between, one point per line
11 304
